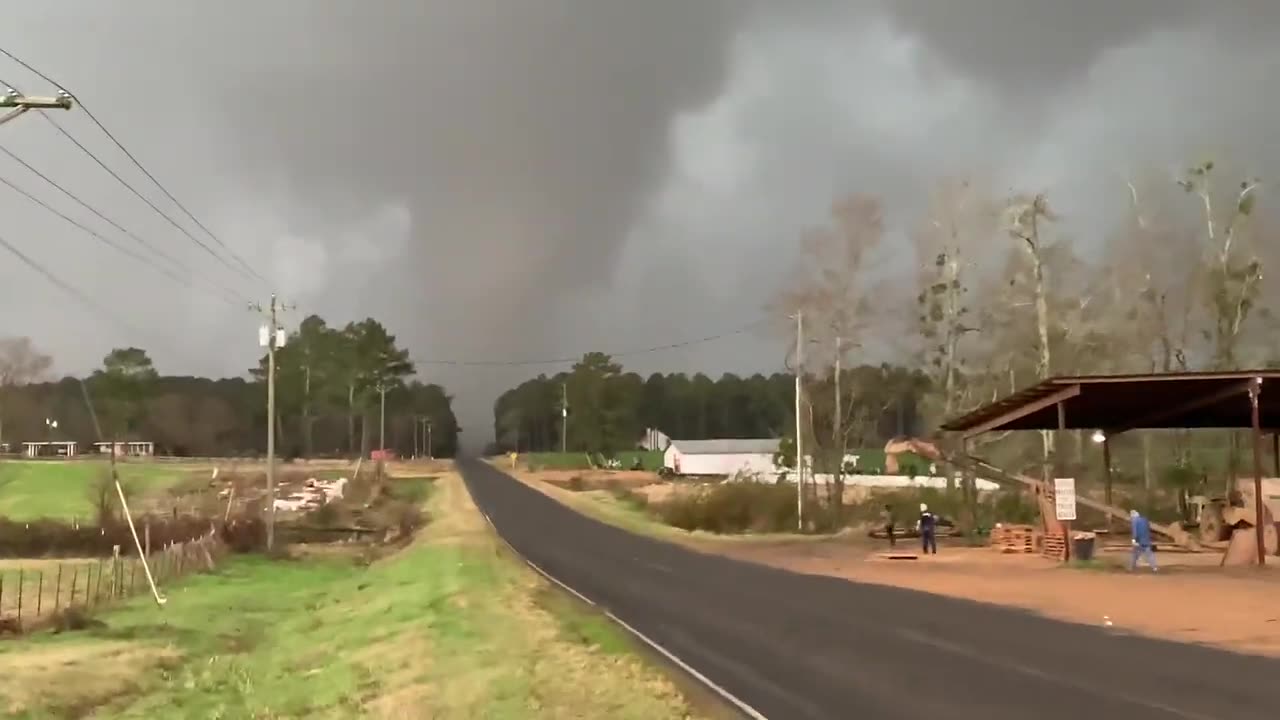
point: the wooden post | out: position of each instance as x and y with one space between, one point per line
57 590
1057 467
1255 389
1106 470
39 593
75 576
21 582
1275 453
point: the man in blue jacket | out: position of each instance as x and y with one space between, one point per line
1141 536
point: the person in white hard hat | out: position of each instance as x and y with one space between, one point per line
927 525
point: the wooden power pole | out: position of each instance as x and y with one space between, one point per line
271 336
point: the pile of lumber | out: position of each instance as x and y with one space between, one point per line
1022 539
1055 546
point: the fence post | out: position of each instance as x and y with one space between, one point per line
97 592
133 574
21 582
115 571
146 534
75 576
1 592
57 590
39 594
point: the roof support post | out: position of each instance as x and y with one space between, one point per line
1275 453
1255 389
1106 473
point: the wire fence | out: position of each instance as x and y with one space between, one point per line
36 592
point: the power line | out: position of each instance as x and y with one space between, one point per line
104 218
65 286
622 353
228 297
138 164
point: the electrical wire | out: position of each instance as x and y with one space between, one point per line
178 265
67 287
244 265
228 297
621 353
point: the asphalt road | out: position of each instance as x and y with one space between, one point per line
800 646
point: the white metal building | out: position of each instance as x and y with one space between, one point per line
726 457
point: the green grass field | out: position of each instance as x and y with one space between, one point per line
53 489
451 627
649 460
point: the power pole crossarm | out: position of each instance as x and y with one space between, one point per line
15 99
21 104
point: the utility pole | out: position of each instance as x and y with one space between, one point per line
799 434
382 417
21 103
272 337
564 417
838 477
431 455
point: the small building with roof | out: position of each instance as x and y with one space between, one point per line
723 457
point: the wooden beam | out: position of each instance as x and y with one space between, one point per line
1022 411
1159 416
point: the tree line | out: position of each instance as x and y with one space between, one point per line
330 386
1002 296
610 409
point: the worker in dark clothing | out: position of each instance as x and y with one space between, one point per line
886 520
928 526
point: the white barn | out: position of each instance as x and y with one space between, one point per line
721 457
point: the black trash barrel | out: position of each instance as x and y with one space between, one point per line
1082 546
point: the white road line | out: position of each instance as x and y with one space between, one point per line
729 697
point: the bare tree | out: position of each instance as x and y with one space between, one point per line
958 225
1027 217
1234 271
20 364
834 289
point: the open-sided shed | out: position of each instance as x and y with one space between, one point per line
1113 404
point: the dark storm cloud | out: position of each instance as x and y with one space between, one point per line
534 178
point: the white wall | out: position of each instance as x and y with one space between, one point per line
718 463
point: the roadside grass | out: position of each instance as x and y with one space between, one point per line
619 510
61 489
650 460
450 627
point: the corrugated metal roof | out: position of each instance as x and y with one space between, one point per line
1124 402
728 446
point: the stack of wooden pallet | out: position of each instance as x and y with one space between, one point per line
1014 539
1055 546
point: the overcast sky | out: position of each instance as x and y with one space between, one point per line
524 179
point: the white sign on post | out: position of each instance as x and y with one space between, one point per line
1064 498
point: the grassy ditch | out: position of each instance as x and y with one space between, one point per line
450 627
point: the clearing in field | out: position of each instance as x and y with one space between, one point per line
450 627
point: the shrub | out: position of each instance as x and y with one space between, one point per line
742 507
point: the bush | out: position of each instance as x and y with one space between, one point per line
742 507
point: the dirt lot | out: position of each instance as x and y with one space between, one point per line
1190 600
